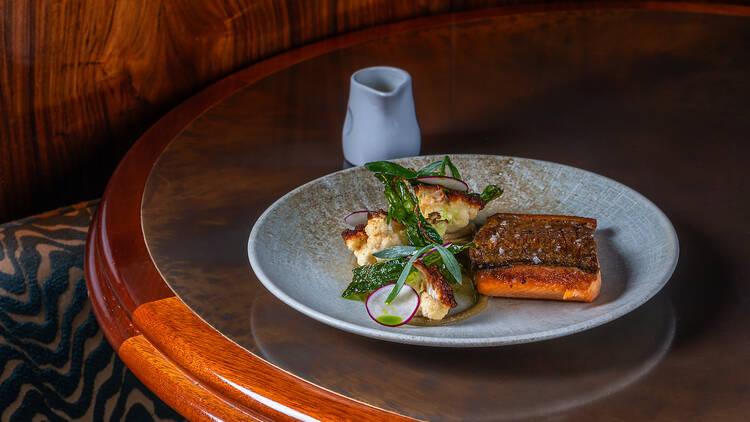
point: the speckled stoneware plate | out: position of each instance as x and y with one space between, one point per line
295 249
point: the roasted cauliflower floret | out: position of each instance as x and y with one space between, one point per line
375 236
435 294
455 209
355 239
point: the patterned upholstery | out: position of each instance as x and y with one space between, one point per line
55 363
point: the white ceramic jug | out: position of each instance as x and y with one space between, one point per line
381 123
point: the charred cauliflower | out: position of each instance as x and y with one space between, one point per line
448 209
375 236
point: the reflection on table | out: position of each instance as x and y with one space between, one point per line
500 383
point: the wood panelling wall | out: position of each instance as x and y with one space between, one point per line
80 80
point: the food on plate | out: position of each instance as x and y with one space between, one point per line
378 234
396 313
420 241
436 294
448 210
427 240
537 257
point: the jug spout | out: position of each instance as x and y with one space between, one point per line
381 123
382 81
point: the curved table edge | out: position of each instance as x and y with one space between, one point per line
129 296
196 370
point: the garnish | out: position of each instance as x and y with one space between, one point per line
395 252
454 170
390 169
393 169
356 218
430 169
404 208
367 278
425 242
396 312
445 181
405 273
490 192
450 263
446 256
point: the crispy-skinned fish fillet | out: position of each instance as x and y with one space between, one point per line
436 297
537 257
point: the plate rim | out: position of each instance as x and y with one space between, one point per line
434 341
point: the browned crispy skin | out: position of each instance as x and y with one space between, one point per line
527 239
357 233
537 257
436 284
452 195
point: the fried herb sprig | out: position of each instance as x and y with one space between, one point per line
403 206
368 278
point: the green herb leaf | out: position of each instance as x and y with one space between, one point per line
395 252
491 192
368 278
450 263
405 274
391 169
402 201
454 170
429 169
428 231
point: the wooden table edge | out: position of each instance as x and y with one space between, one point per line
130 298
196 370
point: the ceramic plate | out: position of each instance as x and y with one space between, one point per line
296 250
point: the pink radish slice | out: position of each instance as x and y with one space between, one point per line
356 218
445 181
398 312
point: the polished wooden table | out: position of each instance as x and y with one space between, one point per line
654 95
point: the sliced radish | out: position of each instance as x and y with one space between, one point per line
445 181
398 312
356 218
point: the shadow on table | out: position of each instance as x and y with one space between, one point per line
701 285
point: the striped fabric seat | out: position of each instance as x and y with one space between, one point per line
55 363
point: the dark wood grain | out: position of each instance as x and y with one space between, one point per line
79 82
142 319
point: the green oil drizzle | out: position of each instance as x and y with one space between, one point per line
389 319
